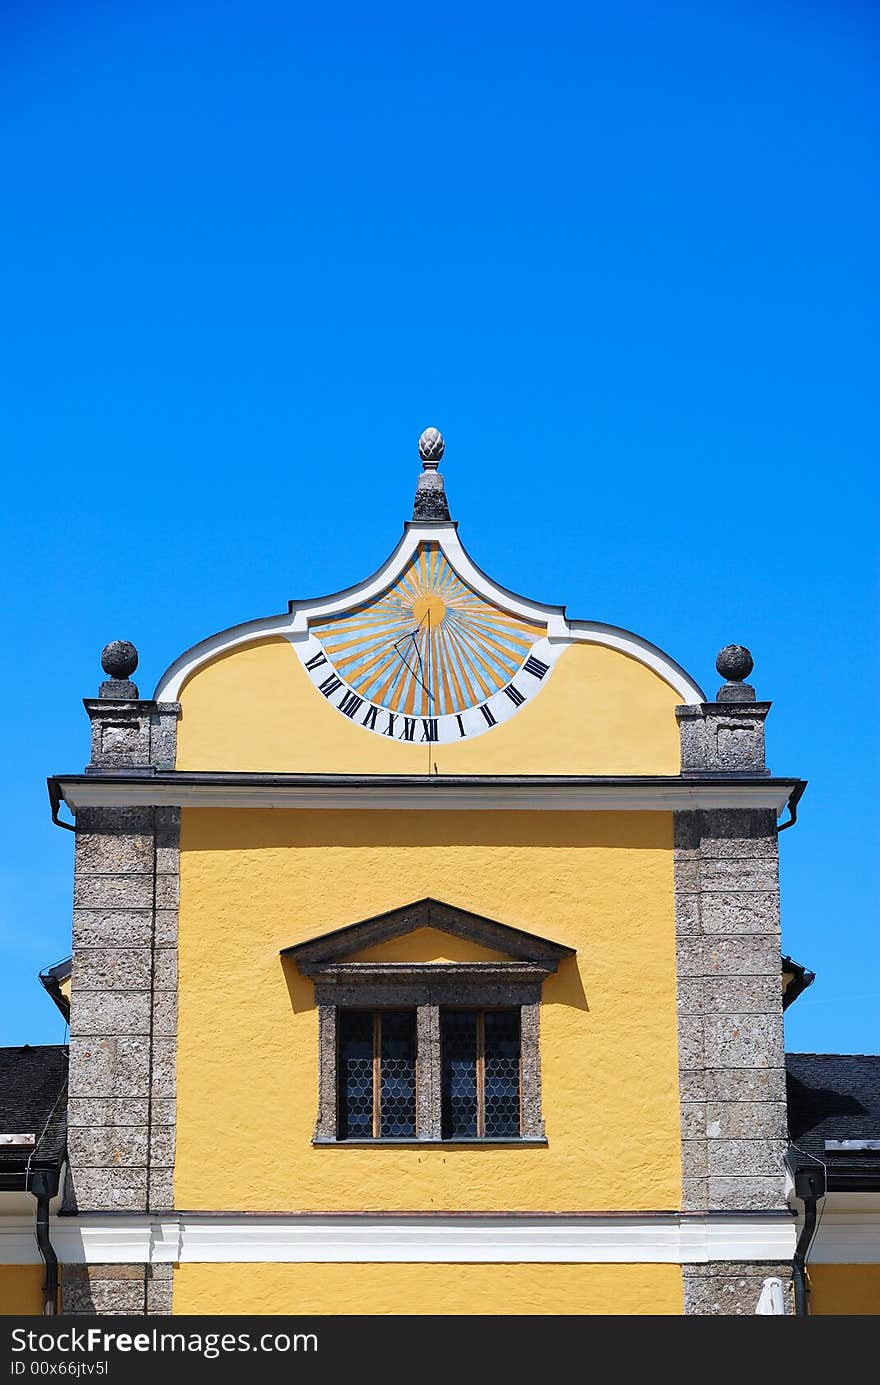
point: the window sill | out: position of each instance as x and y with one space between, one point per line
414 1143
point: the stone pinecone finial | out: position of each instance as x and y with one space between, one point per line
430 503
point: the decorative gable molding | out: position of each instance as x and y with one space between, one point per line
327 956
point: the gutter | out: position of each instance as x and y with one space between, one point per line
792 805
44 1186
809 1186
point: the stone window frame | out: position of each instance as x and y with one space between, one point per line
427 994
426 987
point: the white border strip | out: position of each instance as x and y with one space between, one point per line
294 625
428 794
401 1240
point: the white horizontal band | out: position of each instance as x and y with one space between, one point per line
192 1238
427 794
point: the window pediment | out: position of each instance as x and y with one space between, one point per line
516 954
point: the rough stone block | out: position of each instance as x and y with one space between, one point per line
109 1067
161 1189
745 912
692 1085
737 832
686 877
112 928
119 891
687 915
114 853
165 972
117 1189
690 1042
694 1163
745 1158
742 994
694 1194
752 873
732 1291
745 1084
689 957
159 1298
693 1120
162 1141
164 1068
753 955
745 1120
165 1014
117 1013
167 891
752 1193
109 969
690 995
687 835
108 1146
92 1111
114 822
166 928
742 1041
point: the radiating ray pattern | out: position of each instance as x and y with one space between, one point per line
430 645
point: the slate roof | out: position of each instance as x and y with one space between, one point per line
33 1101
836 1096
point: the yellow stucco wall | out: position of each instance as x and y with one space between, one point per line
837 1290
599 712
254 881
428 1289
21 1290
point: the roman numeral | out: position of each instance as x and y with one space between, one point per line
535 667
389 729
461 729
315 662
350 703
515 695
429 728
490 720
409 728
370 719
330 685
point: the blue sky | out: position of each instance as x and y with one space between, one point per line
623 256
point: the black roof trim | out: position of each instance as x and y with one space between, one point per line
801 978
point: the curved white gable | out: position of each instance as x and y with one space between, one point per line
294 624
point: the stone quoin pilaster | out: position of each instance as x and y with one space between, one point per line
123 1022
731 1055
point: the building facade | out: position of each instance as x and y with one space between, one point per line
426 959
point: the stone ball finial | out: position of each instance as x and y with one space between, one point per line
431 448
734 662
119 659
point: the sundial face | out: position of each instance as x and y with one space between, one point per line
428 659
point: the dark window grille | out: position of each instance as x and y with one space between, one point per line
377 1074
481 1074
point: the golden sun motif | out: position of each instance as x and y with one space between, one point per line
430 645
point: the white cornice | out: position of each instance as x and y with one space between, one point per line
249 1239
294 624
422 794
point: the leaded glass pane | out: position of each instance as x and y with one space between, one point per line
355 1074
458 1037
397 1101
502 1115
